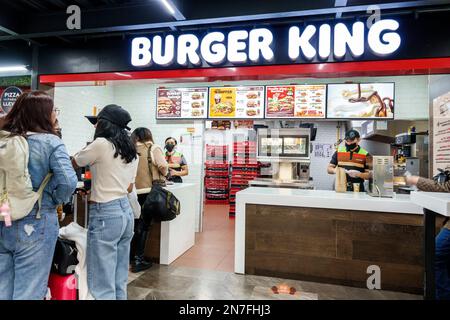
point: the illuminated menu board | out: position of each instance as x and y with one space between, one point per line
295 101
236 102
361 100
182 103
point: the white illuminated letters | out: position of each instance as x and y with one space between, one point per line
391 40
140 52
169 52
297 42
236 44
323 42
354 40
187 49
212 48
259 43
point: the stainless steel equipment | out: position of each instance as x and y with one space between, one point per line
381 182
288 152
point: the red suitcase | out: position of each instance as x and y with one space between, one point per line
62 287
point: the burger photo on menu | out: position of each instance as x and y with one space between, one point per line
252 112
252 95
252 103
196 104
283 105
166 107
197 113
196 96
223 108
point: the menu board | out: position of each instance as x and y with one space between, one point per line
296 101
360 101
441 133
181 103
236 102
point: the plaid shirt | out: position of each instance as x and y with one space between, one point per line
432 186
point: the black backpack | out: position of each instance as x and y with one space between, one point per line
65 257
161 204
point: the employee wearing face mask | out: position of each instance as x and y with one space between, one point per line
353 159
177 162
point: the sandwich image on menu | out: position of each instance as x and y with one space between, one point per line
242 102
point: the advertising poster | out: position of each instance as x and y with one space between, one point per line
360 101
296 101
236 102
441 133
182 103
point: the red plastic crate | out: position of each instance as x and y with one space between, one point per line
219 165
216 173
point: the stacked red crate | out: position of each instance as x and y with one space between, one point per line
216 174
244 169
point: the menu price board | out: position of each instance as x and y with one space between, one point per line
441 133
181 103
296 101
236 102
360 101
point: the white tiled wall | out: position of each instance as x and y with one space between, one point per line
139 98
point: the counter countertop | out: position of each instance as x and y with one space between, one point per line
434 201
400 203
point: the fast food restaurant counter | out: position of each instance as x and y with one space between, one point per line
329 237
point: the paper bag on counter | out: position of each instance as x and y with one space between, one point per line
341 180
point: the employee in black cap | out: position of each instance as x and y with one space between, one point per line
112 159
353 159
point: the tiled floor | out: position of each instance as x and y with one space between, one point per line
214 247
183 283
206 272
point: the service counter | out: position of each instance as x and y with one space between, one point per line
329 237
168 240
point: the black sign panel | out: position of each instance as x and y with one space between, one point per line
422 36
8 98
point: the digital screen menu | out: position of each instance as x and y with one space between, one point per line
182 103
236 102
360 101
295 101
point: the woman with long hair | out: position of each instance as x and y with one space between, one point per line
27 246
152 168
112 159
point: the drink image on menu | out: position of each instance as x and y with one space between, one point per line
359 100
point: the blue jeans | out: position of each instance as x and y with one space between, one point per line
442 264
110 232
26 255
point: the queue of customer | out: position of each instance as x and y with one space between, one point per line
119 162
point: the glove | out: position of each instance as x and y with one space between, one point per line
352 173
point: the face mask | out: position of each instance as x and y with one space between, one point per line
170 147
350 147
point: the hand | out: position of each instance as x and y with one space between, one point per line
412 180
173 172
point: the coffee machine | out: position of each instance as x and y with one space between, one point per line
288 152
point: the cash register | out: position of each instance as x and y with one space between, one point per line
288 152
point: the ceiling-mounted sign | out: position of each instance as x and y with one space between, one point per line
8 98
305 43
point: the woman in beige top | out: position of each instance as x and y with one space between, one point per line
150 171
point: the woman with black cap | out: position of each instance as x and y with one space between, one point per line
112 159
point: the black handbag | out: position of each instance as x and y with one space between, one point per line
160 204
65 257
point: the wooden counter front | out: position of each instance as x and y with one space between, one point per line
335 246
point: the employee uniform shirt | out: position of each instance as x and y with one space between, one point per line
355 160
176 158
111 176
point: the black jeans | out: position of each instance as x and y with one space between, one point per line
141 231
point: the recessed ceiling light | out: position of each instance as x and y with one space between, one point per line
168 6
